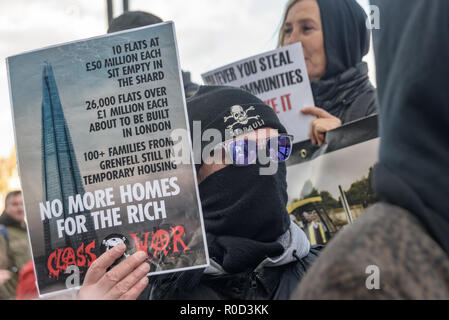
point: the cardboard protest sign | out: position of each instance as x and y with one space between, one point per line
279 78
93 120
330 186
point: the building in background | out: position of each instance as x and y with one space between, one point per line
60 173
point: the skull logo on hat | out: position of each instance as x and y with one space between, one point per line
240 115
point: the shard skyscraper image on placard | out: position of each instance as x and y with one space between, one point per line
60 173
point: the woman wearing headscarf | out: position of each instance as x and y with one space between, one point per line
335 38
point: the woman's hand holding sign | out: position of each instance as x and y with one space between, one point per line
324 123
126 281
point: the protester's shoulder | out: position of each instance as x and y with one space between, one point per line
15 234
388 239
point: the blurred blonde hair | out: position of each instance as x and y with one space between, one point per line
281 35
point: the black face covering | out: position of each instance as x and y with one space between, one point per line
244 214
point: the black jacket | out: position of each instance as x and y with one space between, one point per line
348 96
268 283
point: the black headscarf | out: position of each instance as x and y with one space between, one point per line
412 50
346 81
133 19
346 38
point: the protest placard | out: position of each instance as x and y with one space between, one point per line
279 78
92 121
330 186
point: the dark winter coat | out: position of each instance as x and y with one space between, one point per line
266 283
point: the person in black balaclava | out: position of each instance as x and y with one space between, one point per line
256 252
334 39
399 248
136 19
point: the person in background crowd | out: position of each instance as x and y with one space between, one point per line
399 248
316 231
256 251
135 19
335 38
14 246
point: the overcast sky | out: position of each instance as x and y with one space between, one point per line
210 33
